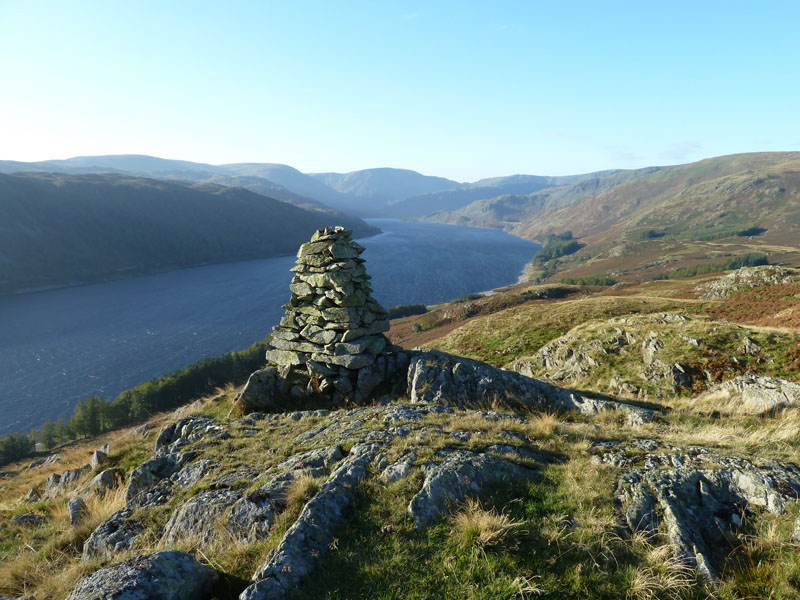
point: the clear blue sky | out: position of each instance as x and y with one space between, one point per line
459 89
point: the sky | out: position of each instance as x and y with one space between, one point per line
463 89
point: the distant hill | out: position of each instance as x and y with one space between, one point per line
656 219
513 205
248 176
372 190
382 192
59 229
423 205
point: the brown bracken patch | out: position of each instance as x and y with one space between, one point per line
775 305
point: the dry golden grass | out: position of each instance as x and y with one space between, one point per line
663 576
302 490
48 564
474 526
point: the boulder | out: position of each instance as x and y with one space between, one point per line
745 278
755 394
261 392
698 496
169 575
104 480
77 510
98 458
29 520
194 520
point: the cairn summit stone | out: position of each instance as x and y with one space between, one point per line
330 341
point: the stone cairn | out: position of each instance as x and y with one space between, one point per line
330 341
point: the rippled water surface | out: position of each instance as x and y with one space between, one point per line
59 346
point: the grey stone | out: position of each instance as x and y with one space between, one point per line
29 520
252 516
400 469
33 495
697 496
460 474
297 554
436 377
317 462
145 477
756 394
57 484
98 458
194 521
113 536
169 575
745 278
77 510
105 480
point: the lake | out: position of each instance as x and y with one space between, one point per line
59 346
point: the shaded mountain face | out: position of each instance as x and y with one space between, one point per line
371 191
58 229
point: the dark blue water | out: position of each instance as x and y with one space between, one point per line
60 346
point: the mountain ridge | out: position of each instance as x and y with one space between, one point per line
101 226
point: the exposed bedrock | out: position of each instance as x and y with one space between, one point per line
452 380
698 497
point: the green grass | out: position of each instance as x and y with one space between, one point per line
381 555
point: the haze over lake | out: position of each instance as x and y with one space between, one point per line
59 346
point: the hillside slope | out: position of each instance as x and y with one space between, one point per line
631 220
61 229
423 205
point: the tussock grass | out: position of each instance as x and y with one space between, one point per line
474 526
302 490
662 576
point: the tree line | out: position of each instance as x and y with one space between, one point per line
94 415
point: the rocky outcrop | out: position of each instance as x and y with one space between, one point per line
460 473
754 394
170 575
696 495
58 484
745 278
113 536
330 340
455 381
297 554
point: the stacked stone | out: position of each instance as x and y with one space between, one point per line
332 327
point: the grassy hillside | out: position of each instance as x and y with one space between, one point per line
62 229
480 192
644 223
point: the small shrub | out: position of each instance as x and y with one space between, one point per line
406 310
467 298
604 280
